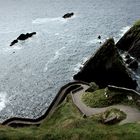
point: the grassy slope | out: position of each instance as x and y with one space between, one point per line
137 23
99 99
67 124
95 99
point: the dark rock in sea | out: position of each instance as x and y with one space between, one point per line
133 65
14 42
22 37
131 41
26 36
99 37
106 67
31 34
68 15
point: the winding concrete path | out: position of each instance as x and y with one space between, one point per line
133 114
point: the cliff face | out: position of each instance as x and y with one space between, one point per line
131 41
106 67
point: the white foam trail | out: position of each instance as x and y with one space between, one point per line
57 54
9 49
80 65
2 100
95 41
77 67
16 47
84 61
57 34
124 30
48 20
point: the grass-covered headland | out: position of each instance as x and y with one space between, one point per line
67 123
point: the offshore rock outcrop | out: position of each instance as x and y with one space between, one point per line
26 36
106 67
14 42
22 37
130 42
68 15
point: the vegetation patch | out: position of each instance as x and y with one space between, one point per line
102 98
93 87
137 23
97 98
67 124
105 97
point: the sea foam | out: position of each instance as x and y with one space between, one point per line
48 20
2 100
124 30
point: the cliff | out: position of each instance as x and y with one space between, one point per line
106 67
130 42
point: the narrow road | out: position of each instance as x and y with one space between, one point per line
133 114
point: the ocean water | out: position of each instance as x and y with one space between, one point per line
32 72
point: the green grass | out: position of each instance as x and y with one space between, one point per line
95 99
67 123
93 87
99 99
135 30
137 23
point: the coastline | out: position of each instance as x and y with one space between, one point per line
63 92
19 122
